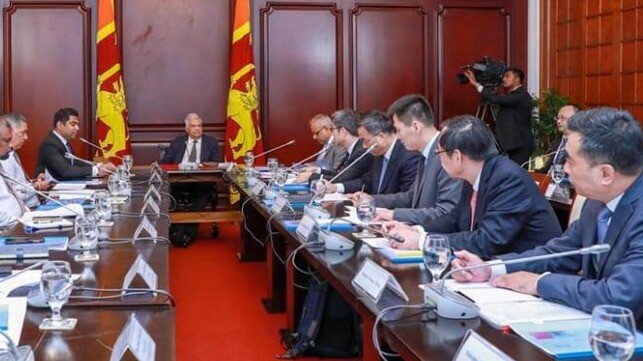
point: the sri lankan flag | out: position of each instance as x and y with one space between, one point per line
111 108
243 133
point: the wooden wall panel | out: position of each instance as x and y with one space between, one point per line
593 52
47 66
301 72
388 61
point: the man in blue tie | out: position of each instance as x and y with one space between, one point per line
394 167
604 162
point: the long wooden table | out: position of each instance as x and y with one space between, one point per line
100 322
414 335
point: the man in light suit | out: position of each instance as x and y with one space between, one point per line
11 206
433 192
394 167
500 210
604 162
191 147
557 149
51 155
321 127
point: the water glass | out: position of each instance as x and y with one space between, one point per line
249 159
281 176
436 254
128 161
56 286
102 207
612 333
86 231
365 213
112 184
319 190
557 173
272 164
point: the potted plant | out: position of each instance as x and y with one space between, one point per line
543 121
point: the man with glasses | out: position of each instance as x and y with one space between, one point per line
557 153
500 209
11 206
333 155
604 162
394 167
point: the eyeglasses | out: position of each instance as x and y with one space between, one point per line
438 151
319 131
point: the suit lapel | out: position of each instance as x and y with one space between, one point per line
432 158
482 189
389 169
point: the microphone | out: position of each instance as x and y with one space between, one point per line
306 159
452 305
370 149
73 157
275 148
26 185
97 147
531 159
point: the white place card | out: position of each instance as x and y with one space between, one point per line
135 338
316 212
150 203
155 177
152 192
305 226
280 203
142 268
147 226
475 347
257 188
373 279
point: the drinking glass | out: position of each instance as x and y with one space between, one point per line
557 174
272 164
281 176
319 190
612 333
249 159
128 161
56 286
102 207
365 213
112 184
87 236
436 254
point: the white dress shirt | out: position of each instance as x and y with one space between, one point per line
10 209
25 189
188 148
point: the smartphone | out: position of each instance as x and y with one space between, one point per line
22 240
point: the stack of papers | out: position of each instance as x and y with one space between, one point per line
381 246
68 186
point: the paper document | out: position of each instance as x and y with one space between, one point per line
12 316
69 186
334 197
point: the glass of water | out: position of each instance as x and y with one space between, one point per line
112 184
56 286
612 333
249 159
87 235
281 176
128 161
318 189
436 254
272 164
102 207
557 174
365 213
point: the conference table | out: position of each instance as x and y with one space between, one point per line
414 334
100 322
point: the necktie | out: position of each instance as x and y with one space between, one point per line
602 222
382 174
473 203
70 151
325 150
192 156
344 161
418 186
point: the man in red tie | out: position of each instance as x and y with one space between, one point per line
500 210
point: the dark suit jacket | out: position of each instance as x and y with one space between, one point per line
356 171
51 156
620 271
209 150
511 213
399 175
513 124
562 156
432 194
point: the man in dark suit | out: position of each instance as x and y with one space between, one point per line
393 168
192 147
345 133
433 192
500 210
604 162
513 123
557 153
51 155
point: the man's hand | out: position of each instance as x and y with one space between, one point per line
105 169
383 215
523 282
472 78
303 177
354 197
411 236
464 259
42 185
330 187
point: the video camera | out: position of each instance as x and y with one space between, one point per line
488 72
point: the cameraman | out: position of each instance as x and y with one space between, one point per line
513 123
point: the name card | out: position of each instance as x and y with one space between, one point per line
305 226
257 188
152 192
142 268
155 177
373 279
145 225
475 347
316 212
136 339
150 203
279 204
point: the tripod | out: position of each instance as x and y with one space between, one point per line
481 113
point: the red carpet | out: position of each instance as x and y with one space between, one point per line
219 314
